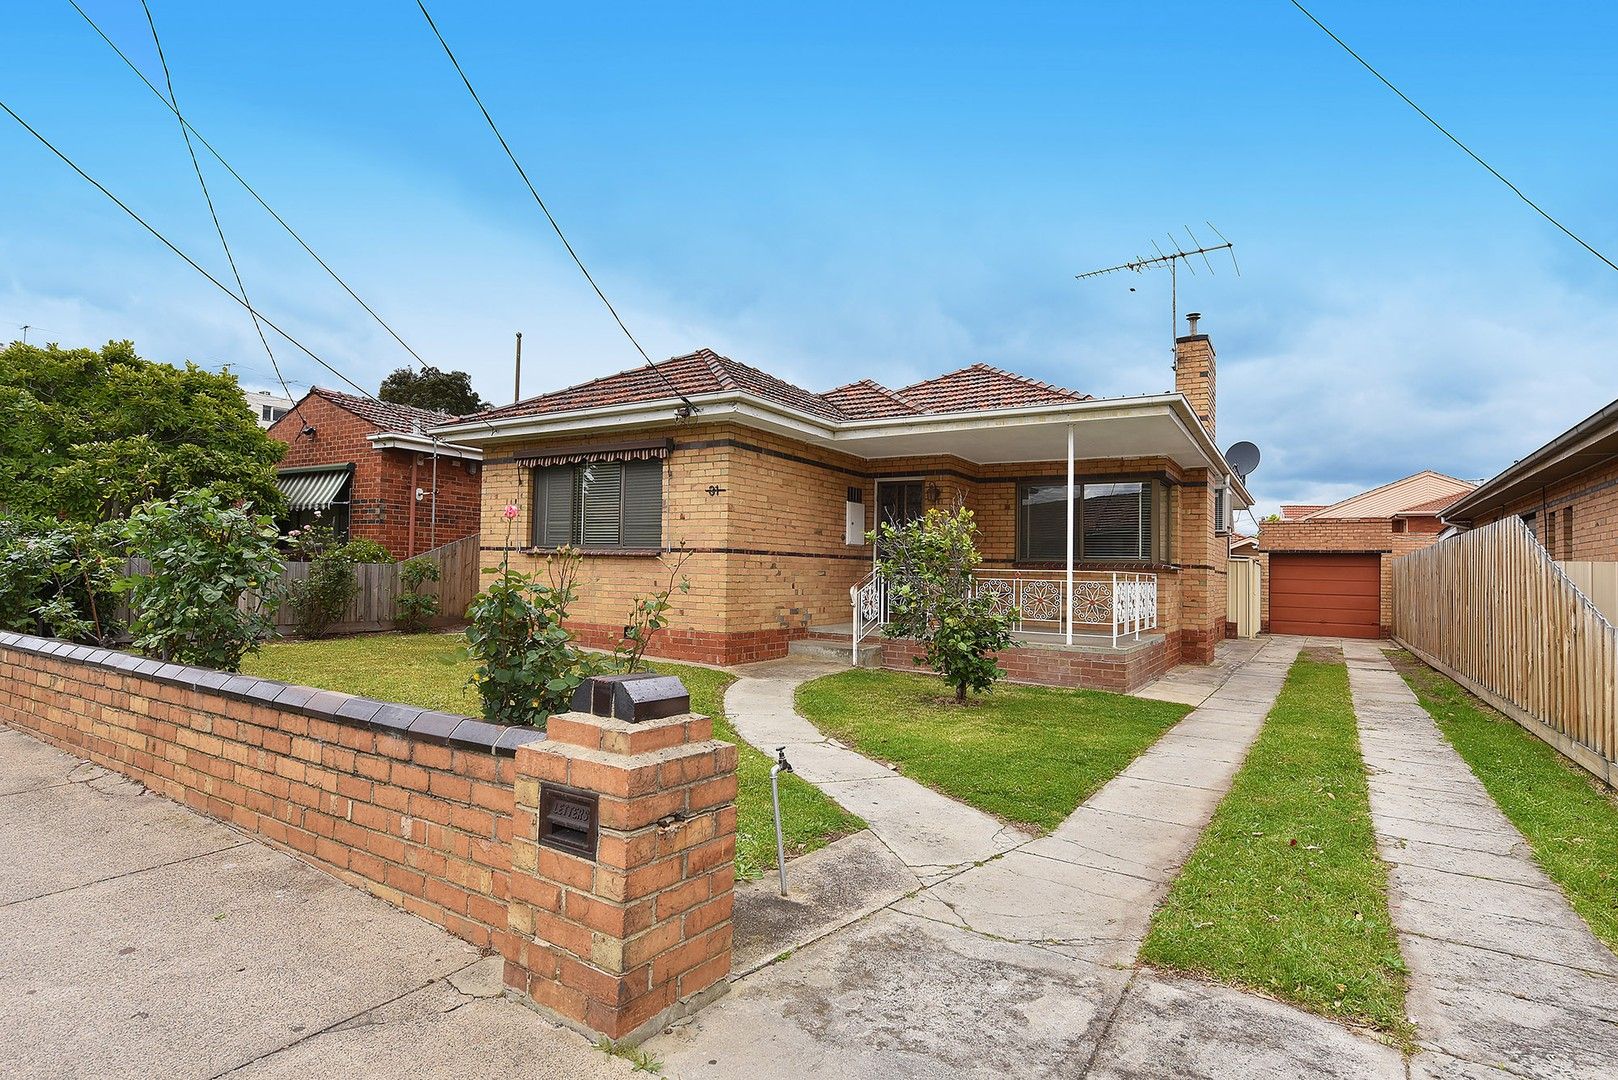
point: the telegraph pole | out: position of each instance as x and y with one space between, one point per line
516 389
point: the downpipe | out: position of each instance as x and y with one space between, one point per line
781 765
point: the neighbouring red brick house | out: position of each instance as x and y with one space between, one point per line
368 470
1566 492
1329 569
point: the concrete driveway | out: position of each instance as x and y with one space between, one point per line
140 939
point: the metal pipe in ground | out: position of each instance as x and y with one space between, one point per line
781 765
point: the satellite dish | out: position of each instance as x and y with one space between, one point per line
1243 458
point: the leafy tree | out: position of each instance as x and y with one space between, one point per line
211 591
928 564
432 388
58 578
92 433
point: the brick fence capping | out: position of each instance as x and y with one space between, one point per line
599 860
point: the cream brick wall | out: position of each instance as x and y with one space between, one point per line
768 557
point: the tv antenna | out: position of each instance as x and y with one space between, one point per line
1172 259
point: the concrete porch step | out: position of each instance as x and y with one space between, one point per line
828 648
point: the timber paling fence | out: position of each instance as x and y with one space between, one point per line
379 587
1493 611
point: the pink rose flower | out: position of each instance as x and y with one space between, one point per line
510 511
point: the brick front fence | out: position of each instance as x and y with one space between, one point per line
613 916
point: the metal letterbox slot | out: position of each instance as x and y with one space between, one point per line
569 820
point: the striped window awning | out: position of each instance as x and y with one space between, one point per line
314 489
637 450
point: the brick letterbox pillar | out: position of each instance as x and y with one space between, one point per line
623 860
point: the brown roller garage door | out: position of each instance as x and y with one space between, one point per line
1336 595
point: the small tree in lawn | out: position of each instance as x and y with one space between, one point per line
928 566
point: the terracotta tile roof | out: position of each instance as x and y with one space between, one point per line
983 387
701 372
868 399
971 389
385 414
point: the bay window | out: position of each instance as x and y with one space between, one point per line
1113 521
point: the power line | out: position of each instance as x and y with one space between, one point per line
546 210
1468 150
166 242
248 187
196 166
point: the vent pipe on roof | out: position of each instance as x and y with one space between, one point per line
1191 318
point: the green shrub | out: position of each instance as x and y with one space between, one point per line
57 578
928 566
527 664
362 549
321 598
414 609
210 595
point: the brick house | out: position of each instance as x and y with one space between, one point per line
1329 569
770 489
1566 491
369 471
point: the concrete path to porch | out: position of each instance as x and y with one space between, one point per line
1505 978
140 939
932 834
1024 964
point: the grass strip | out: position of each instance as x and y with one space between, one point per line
1568 817
431 671
1028 755
1285 893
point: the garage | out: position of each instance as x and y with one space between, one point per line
1331 595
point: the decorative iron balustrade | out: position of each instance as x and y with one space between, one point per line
1121 604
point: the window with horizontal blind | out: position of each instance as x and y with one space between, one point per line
599 504
1112 521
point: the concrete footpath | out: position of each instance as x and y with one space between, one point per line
1505 978
139 939
1021 965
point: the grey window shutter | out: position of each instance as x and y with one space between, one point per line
554 493
643 504
600 499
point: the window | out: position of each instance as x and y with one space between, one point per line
1550 534
1567 532
271 413
1112 521
599 504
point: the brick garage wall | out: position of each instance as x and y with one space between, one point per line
1591 496
382 498
767 561
1342 535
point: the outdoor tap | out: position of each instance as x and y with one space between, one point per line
781 765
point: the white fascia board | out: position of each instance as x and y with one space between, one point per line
399 440
842 435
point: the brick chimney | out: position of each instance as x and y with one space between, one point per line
1194 370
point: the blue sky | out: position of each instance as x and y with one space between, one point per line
860 190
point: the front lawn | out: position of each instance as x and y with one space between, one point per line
1285 893
431 671
1569 819
1029 755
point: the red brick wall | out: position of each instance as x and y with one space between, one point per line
1592 496
382 495
435 813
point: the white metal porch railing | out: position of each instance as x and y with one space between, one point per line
1122 604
